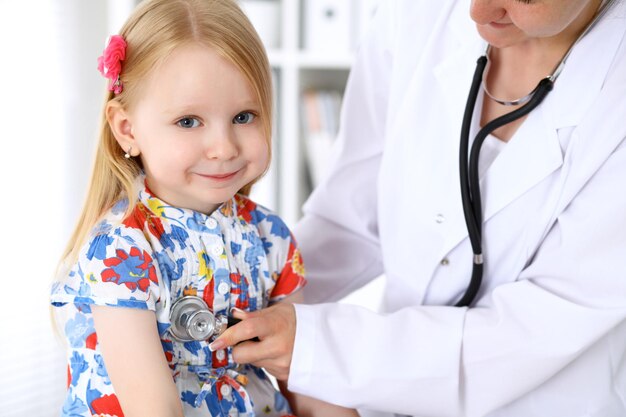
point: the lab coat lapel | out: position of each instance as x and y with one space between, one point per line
531 155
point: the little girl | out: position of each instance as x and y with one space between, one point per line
167 224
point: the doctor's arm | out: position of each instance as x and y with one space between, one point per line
135 362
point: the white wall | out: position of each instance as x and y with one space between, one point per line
50 97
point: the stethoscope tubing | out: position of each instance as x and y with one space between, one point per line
470 181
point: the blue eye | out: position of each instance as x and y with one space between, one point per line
188 122
244 118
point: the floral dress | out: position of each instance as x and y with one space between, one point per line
241 255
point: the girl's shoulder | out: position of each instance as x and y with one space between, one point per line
119 229
116 265
259 216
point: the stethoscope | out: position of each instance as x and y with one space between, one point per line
468 165
192 320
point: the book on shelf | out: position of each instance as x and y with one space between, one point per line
320 123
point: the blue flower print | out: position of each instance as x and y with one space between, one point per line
257 216
178 235
84 289
101 370
170 271
98 247
255 253
78 329
74 407
132 303
235 248
279 228
193 347
188 397
267 245
101 228
196 223
78 365
120 207
214 405
163 327
253 257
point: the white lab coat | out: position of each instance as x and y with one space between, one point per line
547 335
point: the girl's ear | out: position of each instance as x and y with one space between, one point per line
121 127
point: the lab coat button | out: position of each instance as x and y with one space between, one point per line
225 390
439 218
445 262
223 288
211 223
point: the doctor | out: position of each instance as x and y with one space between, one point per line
546 334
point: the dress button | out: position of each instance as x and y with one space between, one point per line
223 288
445 262
211 223
220 355
217 250
439 218
225 390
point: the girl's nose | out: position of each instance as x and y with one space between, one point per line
221 145
487 11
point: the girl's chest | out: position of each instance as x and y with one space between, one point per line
226 267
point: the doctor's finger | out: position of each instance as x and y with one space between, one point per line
240 314
247 329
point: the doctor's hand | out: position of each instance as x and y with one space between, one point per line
275 327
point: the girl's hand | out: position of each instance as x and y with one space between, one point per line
275 327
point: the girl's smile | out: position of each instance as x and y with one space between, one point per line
220 177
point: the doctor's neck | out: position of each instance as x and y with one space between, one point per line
541 41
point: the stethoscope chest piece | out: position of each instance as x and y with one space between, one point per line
191 319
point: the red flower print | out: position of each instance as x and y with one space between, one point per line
134 269
91 341
141 217
245 208
291 277
107 405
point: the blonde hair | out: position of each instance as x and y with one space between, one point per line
152 32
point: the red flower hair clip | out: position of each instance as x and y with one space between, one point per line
110 63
